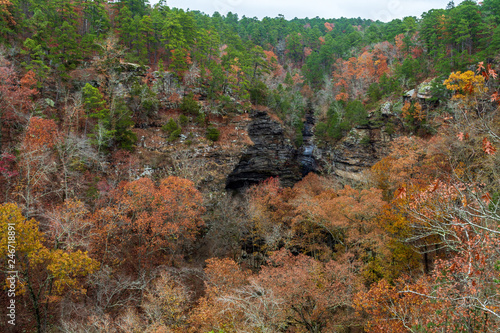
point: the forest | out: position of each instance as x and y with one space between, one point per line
152 174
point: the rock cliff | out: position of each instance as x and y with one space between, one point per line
351 157
271 155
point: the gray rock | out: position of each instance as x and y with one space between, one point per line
270 156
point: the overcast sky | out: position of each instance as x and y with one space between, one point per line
384 10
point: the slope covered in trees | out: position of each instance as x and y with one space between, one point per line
119 122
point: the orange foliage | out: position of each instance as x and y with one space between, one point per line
395 309
174 98
400 44
312 293
271 211
412 162
342 97
352 77
4 11
461 291
488 147
270 56
297 79
346 215
307 51
306 91
293 291
41 134
329 26
16 94
413 110
146 221
223 276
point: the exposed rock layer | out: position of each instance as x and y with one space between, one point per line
270 156
350 158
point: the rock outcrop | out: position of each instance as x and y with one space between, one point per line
271 155
350 158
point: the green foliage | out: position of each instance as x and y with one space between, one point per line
408 72
340 120
200 119
355 115
170 126
438 90
36 61
321 130
95 107
113 127
213 134
183 120
374 92
365 141
228 104
299 139
190 105
388 85
144 101
175 135
258 93
124 137
94 102
390 128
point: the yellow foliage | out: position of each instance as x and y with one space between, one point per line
66 267
63 267
413 110
465 84
18 232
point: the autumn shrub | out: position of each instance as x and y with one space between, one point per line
38 266
292 293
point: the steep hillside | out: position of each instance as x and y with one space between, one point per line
164 170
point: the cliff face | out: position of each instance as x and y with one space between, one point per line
355 154
271 155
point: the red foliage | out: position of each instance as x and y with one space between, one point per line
7 165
